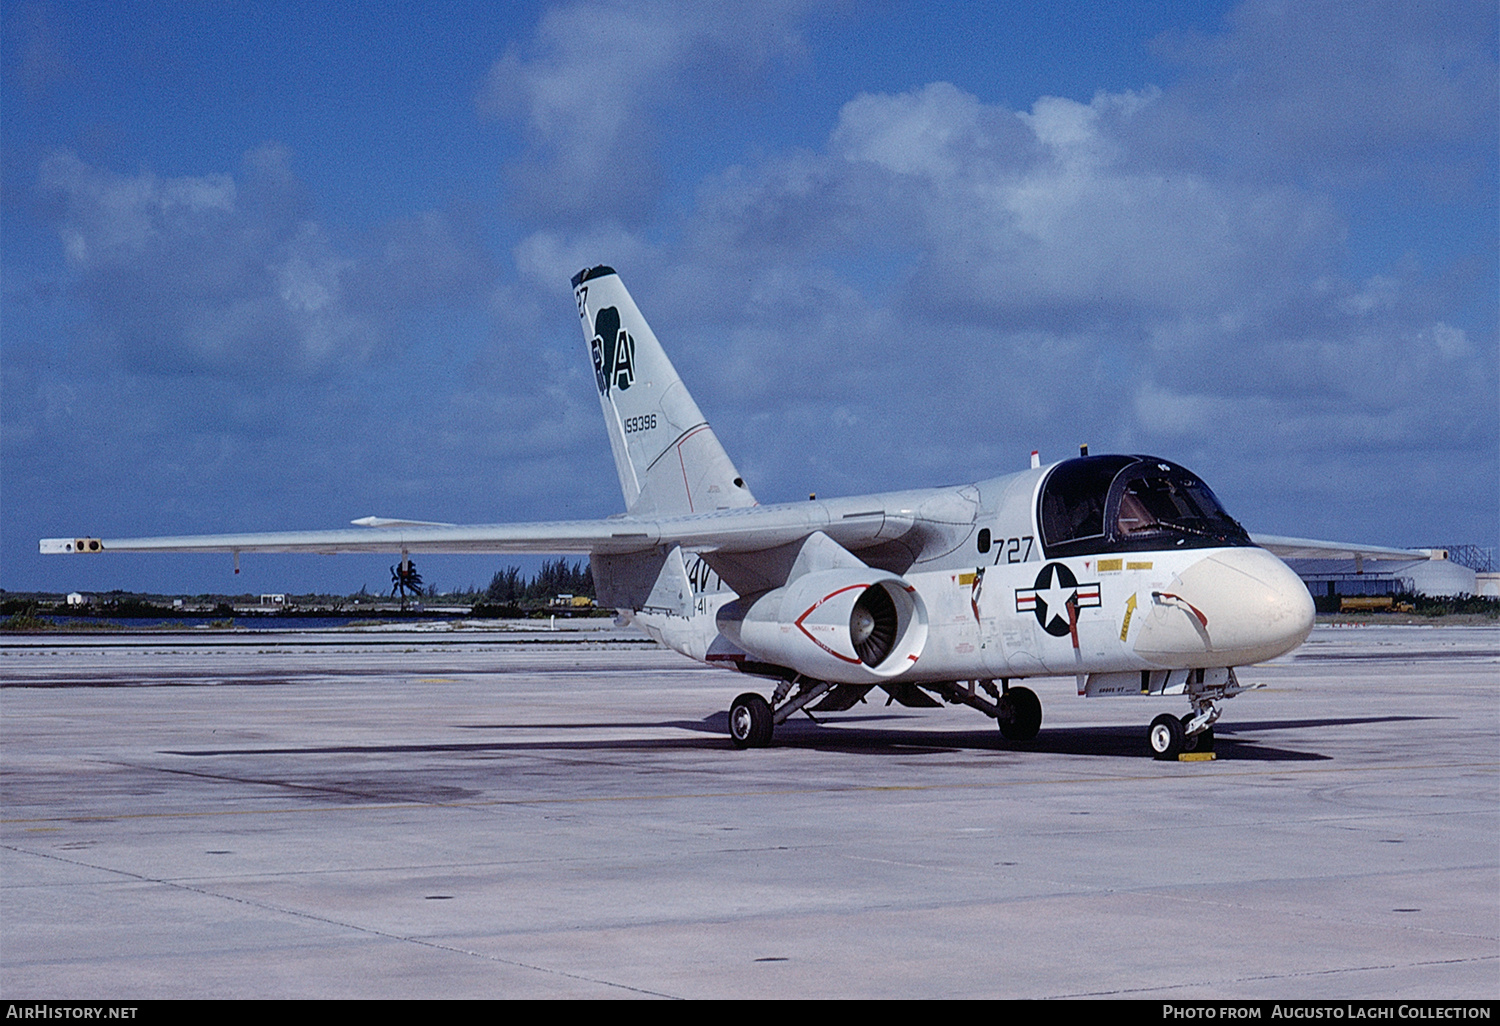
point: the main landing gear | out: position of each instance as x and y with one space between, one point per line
1020 715
750 721
753 719
1017 710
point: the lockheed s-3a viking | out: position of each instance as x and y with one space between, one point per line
1122 571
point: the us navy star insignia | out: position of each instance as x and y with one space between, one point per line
1048 598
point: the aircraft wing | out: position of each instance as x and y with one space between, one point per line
732 530
1309 548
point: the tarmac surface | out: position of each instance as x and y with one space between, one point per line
488 813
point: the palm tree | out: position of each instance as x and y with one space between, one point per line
405 579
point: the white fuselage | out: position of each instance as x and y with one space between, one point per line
1011 612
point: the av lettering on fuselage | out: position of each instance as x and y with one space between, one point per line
702 577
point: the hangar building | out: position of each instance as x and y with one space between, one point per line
1439 576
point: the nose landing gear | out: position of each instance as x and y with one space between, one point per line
1170 736
1166 736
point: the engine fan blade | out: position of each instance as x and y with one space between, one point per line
872 625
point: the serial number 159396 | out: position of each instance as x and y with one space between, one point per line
645 422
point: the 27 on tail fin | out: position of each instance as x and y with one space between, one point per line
668 458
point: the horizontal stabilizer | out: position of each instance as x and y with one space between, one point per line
649 581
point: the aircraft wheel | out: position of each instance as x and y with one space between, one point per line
750 721
1020 714
1166 736
1201 742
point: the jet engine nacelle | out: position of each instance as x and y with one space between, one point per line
847 626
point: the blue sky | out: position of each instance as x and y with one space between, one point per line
274 266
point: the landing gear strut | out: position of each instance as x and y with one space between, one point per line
1016 709
1201 742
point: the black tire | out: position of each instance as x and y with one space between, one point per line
1020 714
1200 742
750 721
1166 737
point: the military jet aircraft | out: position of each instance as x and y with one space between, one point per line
1122 571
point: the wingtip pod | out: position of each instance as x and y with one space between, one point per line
57 546
668 459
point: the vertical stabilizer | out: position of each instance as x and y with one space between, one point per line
668 458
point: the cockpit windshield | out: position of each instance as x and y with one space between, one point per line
1130 503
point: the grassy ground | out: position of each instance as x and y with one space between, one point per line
1415 619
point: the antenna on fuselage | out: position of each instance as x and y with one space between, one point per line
1083 450
1036 459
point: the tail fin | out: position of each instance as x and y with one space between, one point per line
668 458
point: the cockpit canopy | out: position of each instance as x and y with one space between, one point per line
1128 504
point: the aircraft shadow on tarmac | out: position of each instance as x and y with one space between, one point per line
856 735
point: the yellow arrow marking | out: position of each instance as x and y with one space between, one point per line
1129 612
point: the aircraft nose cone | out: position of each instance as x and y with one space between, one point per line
1240 605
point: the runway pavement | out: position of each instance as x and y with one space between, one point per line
486 813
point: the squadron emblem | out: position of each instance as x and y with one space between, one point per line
613 350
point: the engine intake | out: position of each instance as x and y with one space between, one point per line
847 626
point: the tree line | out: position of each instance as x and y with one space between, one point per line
509 588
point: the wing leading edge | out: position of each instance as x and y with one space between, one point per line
735 530
1310 548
